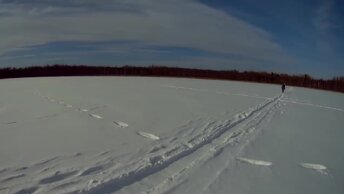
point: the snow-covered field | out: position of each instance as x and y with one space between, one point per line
164 135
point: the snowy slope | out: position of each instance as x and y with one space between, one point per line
138 135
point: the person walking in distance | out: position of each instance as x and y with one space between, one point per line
283 87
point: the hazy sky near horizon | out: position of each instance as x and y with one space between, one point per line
294 36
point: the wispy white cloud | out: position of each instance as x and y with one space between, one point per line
182 23
324 19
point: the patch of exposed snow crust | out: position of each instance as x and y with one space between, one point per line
96 116
254 162
317 167
121 124
148 135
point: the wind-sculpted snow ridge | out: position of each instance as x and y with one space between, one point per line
102 173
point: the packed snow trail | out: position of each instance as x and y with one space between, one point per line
189 134
239 137
154 163
288 100
107 175
312 105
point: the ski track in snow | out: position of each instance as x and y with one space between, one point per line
57 176
27 190
288 100
312 105
238 133
162 158
110 176
105 174
12 177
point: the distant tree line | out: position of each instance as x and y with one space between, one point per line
335 84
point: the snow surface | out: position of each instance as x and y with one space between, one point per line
318 167
255 162
164 135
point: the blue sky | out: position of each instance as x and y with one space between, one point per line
294 36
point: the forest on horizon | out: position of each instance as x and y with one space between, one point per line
334 84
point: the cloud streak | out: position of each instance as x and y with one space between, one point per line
324 16
175 23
